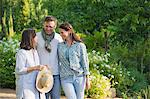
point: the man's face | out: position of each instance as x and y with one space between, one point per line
49 27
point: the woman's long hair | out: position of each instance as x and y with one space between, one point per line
27 39
68 27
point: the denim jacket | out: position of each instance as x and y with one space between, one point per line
76 58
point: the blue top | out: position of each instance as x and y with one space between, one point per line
73 60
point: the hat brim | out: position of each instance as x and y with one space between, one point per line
50 80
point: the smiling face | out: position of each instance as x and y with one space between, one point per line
64 34
49 26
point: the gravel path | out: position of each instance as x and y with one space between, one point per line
7 94
10 94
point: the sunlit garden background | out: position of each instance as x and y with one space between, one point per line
116 33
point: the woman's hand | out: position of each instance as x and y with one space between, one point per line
88 85
41 67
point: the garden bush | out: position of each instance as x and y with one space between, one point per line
145 93
120 77
7 62
100 86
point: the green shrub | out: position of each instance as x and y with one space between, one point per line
120 77
148 76
95 41
141 81
136 57
7 62
143 94
100 86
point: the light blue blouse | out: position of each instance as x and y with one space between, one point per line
73 60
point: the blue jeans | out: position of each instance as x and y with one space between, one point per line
55 92
74 87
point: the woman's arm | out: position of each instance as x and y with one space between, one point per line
85 64
33 68
84 59
21 64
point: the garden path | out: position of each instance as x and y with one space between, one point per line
10 94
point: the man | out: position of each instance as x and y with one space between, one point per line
47 50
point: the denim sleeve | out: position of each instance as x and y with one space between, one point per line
84 59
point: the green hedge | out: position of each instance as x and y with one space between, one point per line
7 62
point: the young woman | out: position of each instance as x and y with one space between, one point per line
27 66
73 61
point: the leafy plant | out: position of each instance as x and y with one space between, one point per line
100 86
95 41
7 62
144 93
120 77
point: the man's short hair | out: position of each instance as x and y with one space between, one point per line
50 18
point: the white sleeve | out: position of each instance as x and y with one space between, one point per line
60 38
20 63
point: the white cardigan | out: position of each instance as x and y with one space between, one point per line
25 82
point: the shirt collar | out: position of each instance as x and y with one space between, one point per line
74 42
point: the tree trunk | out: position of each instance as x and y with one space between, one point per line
3 28
106 41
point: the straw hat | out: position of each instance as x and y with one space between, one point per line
44 81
